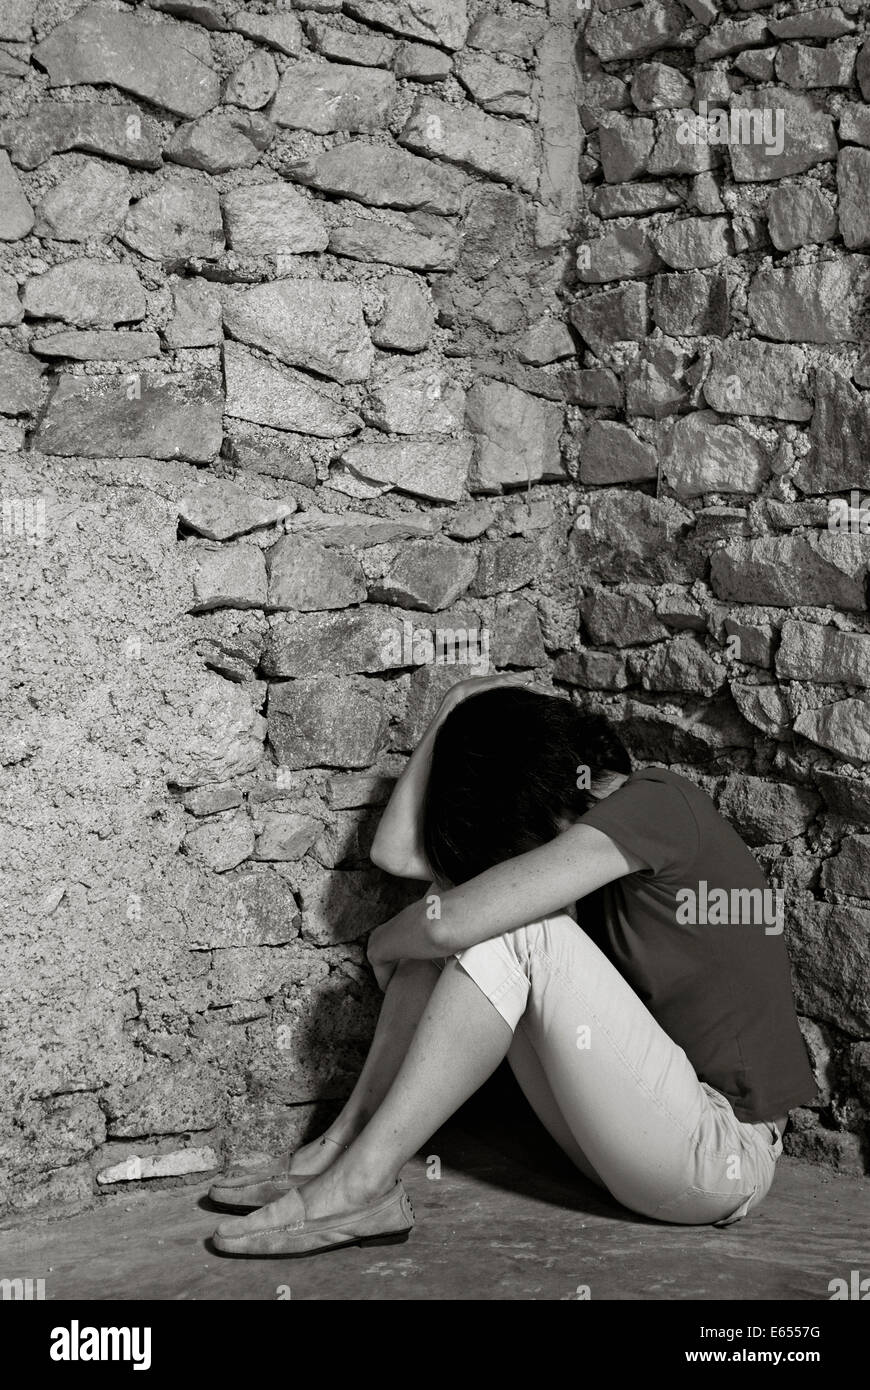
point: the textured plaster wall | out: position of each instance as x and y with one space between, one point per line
328 326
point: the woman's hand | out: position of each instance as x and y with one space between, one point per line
473 685
383 974
383 969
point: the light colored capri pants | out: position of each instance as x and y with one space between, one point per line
615 1092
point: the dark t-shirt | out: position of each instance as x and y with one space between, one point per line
711 967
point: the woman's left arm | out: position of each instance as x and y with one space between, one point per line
510 895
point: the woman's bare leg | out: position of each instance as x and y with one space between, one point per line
406 997
460 1040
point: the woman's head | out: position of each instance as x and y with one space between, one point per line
504 777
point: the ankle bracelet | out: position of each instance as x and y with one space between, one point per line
326 1139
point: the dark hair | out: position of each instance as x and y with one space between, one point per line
504 770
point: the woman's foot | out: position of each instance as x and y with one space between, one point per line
341 1190
245 1190
316 1157
286 1228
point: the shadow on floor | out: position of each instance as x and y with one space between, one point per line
507 1219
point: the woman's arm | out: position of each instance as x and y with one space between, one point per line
525 889
398 843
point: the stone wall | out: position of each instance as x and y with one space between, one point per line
722 276
330 331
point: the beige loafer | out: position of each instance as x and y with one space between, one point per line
246 1189
245 1192
385 1222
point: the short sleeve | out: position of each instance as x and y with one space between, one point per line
651 818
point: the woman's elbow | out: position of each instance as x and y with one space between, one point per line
380 859
399 868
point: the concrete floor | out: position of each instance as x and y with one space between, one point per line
497 1225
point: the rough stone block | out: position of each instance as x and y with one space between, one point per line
622 620
197 315
359 640
636 33
429 575
435 471
496 87
625 253
839 437
694 242
179 220
802 65
612 316
314 324
821 303
407 320
121 132
224 736
268 394
159 62
630 536
499 149
799 215
785 571
398 242
167 418
97 346
253 83
414 399
673 153
11 308
86 292
626 144
87 205
281 31
221 842
828 947
323 97
179 1163
221 510
323 721
21 382
807 131
694 304
767 812
613 453
704 454
228 576
843 728
826 655
853 184
285 836
847 871
516 436
270 218
228 138
305 576
683 664
754 378
381 176
421 62
443 22
256 908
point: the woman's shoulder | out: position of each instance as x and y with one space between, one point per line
664 775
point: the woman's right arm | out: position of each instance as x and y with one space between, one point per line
398 844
